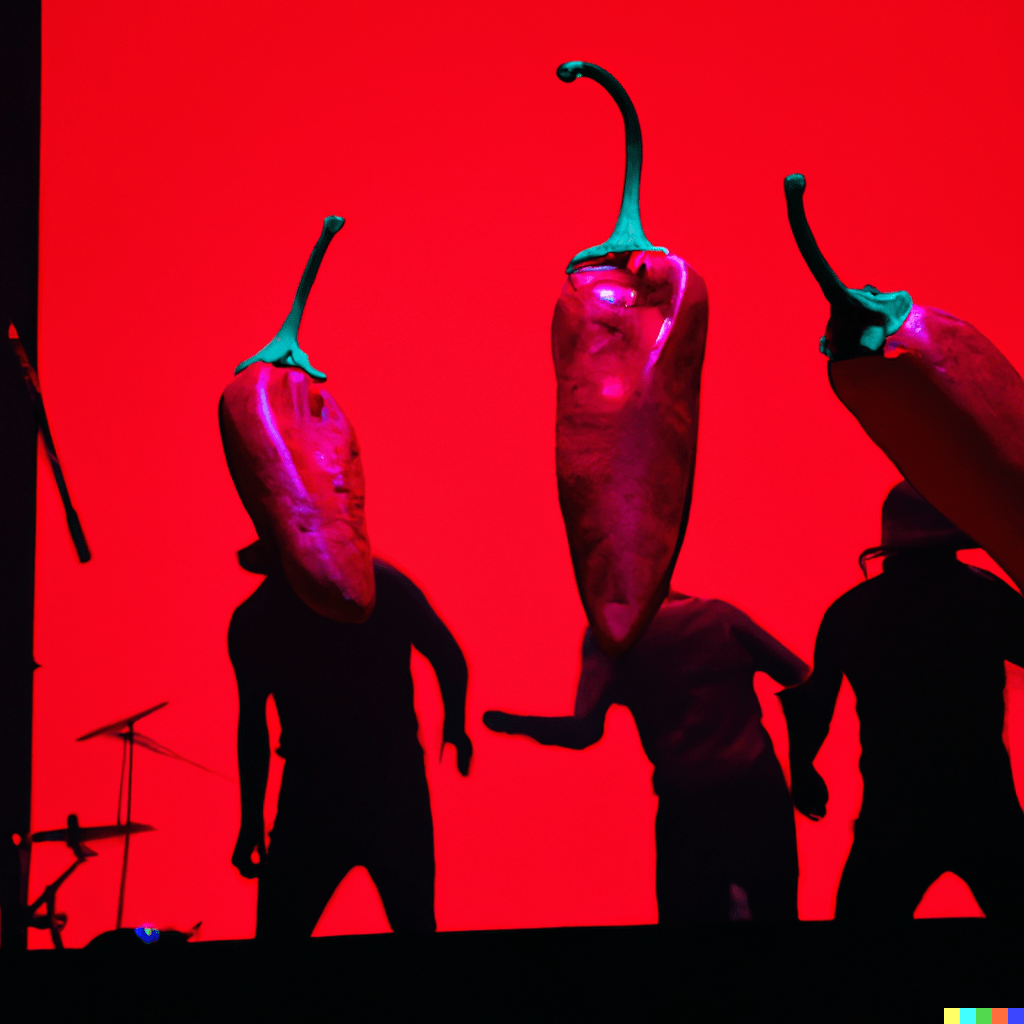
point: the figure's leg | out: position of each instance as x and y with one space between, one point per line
305 863
692 884
991 862
762 844
400 857
890 867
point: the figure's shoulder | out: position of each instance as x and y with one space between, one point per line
992 586
861 596
253 607
686 615
687 604
989 580
255 624
392 580
396 592
719 608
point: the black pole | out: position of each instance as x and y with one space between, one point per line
127 821
20 33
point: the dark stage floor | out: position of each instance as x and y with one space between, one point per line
811 970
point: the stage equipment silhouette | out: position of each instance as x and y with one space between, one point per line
31 378
125 730
923 645
354 790
74 836
725 835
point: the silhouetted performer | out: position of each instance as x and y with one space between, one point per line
354 790
726 841
923 645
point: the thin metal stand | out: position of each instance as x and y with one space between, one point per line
129 738
49 918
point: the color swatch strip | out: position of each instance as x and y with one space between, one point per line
983 1015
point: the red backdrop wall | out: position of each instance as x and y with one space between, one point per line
189 154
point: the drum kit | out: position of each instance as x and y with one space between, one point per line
42 912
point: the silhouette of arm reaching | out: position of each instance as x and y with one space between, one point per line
582 728
808 709
253 752
770 657
432 638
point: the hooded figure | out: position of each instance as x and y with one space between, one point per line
908 521
923 645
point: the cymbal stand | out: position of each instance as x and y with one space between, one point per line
129 738
49 918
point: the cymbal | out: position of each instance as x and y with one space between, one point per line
124 723
63 835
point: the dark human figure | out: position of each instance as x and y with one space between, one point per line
725 835
354 790
923 645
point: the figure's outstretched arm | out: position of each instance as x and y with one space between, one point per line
582 728
770 656
562 731
253 759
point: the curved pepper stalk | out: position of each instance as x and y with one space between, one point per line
283 349
939 399
627 340
628 235
295 462
870 315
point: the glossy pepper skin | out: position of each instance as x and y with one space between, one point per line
627 341
295 461
943 403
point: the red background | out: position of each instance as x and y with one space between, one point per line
189 154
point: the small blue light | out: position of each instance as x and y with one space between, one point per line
147 933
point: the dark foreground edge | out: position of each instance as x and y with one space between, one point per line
800 970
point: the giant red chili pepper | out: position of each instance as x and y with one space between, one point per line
628 344
943 403
295 461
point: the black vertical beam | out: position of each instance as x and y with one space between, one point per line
20 60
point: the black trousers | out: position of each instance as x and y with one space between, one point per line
895 858
324 829
737 833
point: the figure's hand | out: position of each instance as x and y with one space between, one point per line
501 721
250 841
810 794
463 749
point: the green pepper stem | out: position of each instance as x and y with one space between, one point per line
283 349
834 289
628 235
872 314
